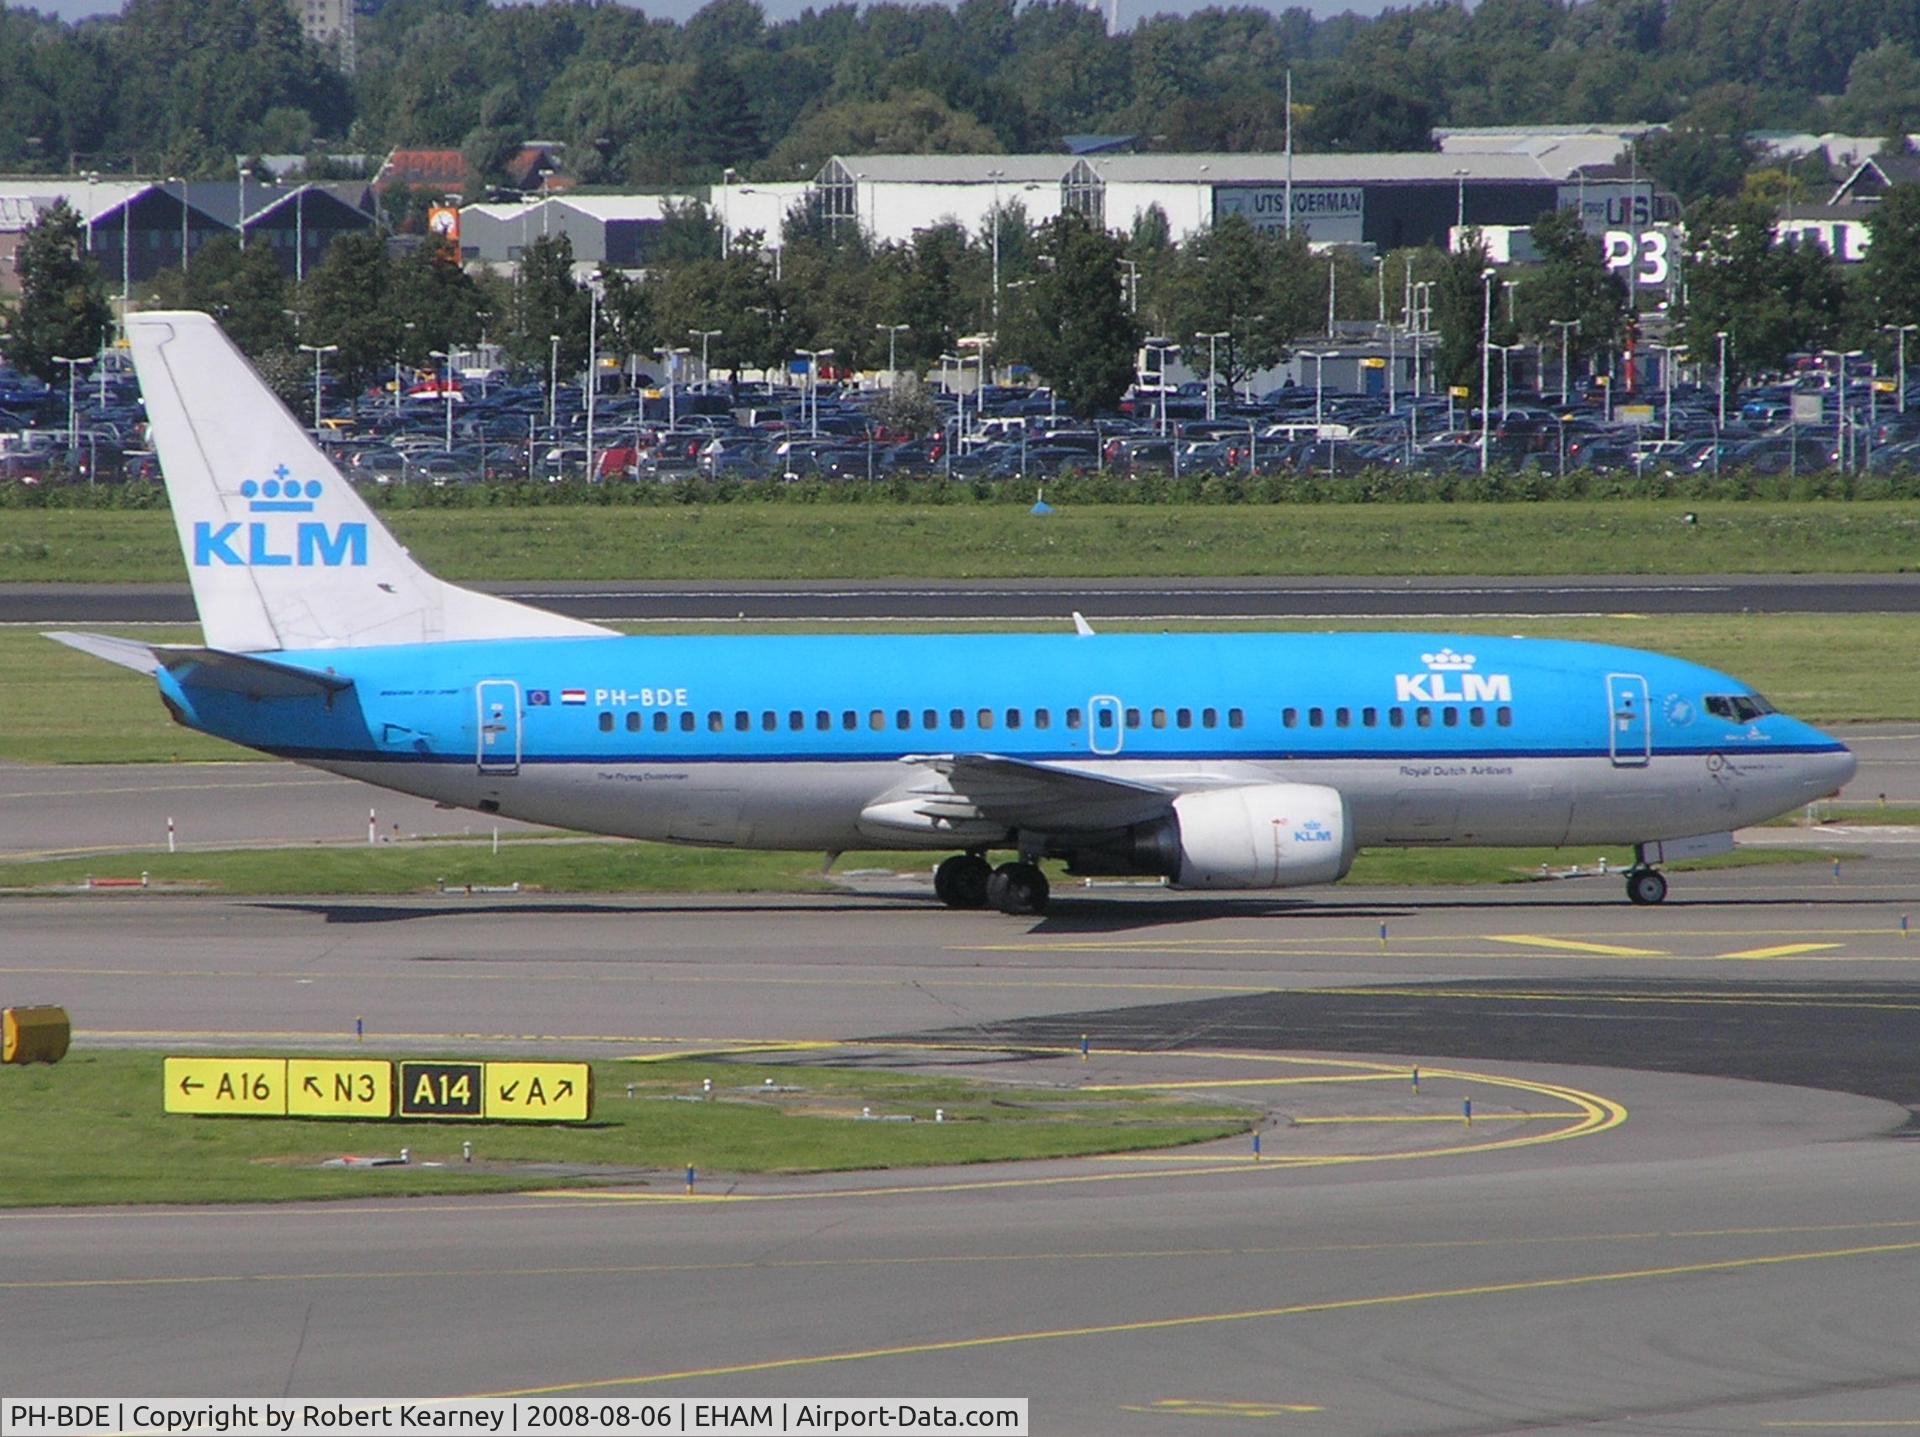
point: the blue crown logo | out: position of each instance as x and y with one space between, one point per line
281 494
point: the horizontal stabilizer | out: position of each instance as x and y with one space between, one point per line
245 674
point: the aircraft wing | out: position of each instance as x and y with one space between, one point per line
205 668
978 793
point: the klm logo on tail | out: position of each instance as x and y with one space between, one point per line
280 543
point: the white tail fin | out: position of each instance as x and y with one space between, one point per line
282 553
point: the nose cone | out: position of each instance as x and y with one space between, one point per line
1830 766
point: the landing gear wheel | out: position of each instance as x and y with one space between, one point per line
961 881
1018 888
1646 886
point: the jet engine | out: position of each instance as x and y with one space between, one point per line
1269 835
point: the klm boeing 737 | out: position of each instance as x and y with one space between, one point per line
1215 761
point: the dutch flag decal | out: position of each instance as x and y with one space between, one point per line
573 696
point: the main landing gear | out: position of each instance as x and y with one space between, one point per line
1646 886
967 881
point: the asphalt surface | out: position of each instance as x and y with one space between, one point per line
1685 1204
965 601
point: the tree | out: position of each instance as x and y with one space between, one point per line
243 289
1772 299
348 301
1572 282
437 303
1460 313
1259 290
63 306
551 303
1359 116
1076 329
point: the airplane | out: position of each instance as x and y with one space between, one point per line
1215 761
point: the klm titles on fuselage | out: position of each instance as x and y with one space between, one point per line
1450 680
280 543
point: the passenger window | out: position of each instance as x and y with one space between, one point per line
986 718
1133 718
957 717
716 721
1343 718
1209 718
769 721
1396 718
876 719
1477 717
1236 719
1013 718
606 723
687 722
822 720
796 720
1370 718
930 718
1503 716
1423 717
660 721
1042 719
1159 718
849 720
1073 718
633 721
1450 716
741 721
1289 718
903 719
1315 718
1183 718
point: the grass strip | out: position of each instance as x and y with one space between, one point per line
59 706
614 866
1001 540
90 1130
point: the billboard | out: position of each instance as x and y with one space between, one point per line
1327 214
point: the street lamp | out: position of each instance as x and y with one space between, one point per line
1901 331
180 180
1486 359
1460 199
1840 419
1213 339
996 176
1160 349
813 358
703 335
893 333
670 357
1319 358
728 177
1506 353
316 350
73 368
446 392
1568 328
410 327
553 384
1720 374
1667 354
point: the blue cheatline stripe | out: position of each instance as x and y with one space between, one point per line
1126 756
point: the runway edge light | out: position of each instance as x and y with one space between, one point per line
34 1035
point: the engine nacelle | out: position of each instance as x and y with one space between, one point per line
1269 835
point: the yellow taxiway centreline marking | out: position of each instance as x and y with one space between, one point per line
1395 1077
1435 1118
1189 1407
1214 1319
1569 945
1844 1424
1784 950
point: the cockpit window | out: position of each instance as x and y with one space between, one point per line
1741 708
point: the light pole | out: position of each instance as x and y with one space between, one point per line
1460 199
1509 285
73 432
893 333
813 358
996 176
446 393
1667 355
703 335
1160 349
180 180
1720 376
1840 426
408 346
553 385
670 356
727 178
1568 328
1213 339
1319 358
316 350
1486 359
1132 282
1506 353
1901 331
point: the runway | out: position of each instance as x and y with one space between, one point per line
1044 600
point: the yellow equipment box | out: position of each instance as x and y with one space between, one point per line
34 1035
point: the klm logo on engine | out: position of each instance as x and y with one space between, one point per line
271 543
1313 831
1450 679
